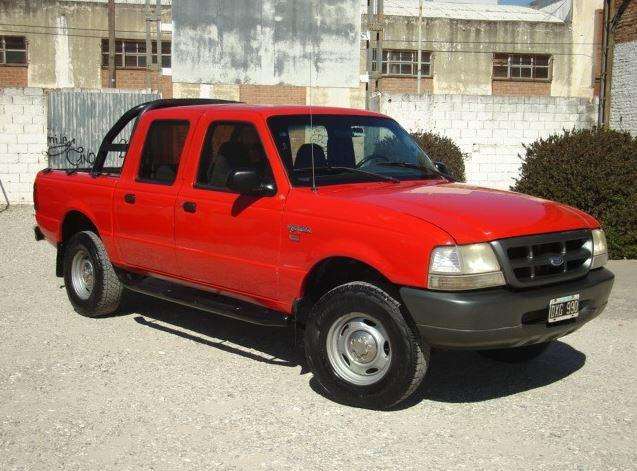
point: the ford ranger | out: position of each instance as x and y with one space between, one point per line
331 220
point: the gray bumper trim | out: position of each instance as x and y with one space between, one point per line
502 317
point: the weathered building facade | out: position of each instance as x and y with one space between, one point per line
485 49
62 44
307 51
268 51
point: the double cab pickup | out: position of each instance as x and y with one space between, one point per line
331 220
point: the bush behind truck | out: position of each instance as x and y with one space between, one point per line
308 216
594 170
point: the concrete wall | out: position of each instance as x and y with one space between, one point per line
267 42
491 129
23 141
584 54
623 109
64 37
623 90
463 49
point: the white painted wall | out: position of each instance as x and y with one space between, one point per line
623 105
63 63
23 141
492 130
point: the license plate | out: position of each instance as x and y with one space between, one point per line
566 307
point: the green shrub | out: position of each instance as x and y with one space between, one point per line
594 170
442 149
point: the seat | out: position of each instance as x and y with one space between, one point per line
166 173
341 148
231 156
304 156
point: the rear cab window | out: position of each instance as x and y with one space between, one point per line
162 151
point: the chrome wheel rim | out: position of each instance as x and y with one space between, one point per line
358 349
82 274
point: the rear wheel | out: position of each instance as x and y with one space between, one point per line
518 354
91 282
360 348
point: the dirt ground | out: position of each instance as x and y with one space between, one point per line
162 387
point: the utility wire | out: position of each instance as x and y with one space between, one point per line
464 51
385 39
43 33
491 42
71 27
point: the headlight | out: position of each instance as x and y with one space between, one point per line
600 249
463 267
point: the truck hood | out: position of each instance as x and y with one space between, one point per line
469 213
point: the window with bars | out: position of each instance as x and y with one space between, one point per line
404 62
13 50
522 67
131 54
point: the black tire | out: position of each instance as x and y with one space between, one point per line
409 356
517 354
106 294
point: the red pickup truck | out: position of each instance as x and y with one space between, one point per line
329 219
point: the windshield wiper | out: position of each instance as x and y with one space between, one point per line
365 172
354 170
427 171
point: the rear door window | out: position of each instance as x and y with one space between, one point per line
162 152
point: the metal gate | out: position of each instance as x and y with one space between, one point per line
78 119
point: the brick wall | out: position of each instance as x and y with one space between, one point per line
627 28
135 79
520 88
13 76
491 129
406 85
272 94
22 141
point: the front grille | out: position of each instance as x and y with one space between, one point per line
546 258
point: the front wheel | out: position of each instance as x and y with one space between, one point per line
517 354
360 348
91 282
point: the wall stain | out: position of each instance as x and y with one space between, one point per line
267 41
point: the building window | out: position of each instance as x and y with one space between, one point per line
404 62
13 50
522 67
131 54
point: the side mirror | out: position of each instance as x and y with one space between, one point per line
442 168
249 182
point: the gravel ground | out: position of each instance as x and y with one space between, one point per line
161 387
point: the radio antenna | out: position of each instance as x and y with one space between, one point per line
310 97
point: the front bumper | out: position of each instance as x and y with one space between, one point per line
502 317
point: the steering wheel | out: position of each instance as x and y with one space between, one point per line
371 158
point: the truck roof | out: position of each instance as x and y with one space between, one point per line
205 105
275 110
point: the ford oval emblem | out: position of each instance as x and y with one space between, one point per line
556 261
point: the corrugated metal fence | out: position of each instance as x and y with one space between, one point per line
78 119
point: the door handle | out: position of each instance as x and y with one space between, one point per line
129 198
189 206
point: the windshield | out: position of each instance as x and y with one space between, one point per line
347 149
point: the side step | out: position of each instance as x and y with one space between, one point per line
209 302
